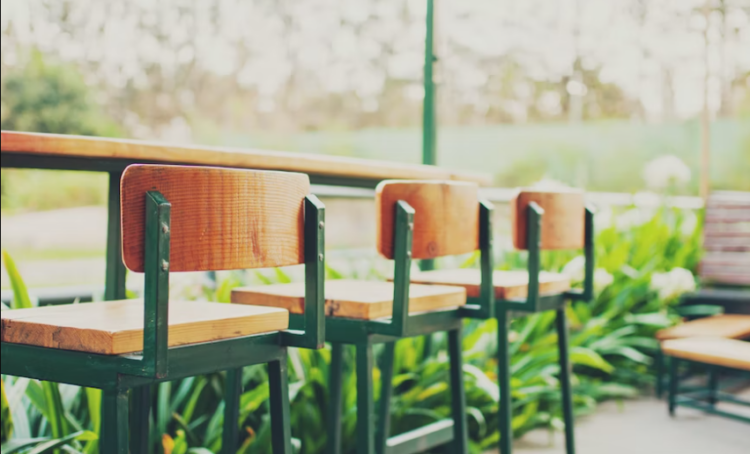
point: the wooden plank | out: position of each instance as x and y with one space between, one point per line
736 244
725 216
728 199
562 222
508 284
726 268
221 218
730 326
116 327
719 352
140 151
365 300
446 217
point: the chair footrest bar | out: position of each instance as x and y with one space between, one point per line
422 439
700 405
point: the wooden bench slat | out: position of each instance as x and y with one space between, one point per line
721 216
733 244
731 326
116 327
715 351
364 300
508 284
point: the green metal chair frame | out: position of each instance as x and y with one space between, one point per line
505 309
116 376
701 398
365 333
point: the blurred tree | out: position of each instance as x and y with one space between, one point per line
43 97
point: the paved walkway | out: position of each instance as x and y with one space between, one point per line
644 427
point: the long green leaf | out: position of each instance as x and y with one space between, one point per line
20 444
52 445
21 298
7 420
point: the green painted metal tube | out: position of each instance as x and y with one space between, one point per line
458 396
156 288
281 429
114 288
402 244
232 392
386 391
505 416
313 330
335 390
365 404
423 439
114 422
140 409
565 380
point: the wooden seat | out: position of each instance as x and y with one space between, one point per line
116 327
508 284
728 326
364 300
710 350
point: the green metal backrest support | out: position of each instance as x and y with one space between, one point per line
403 247
157 241
534 215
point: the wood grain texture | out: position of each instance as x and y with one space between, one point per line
726 238
562 222
508 284
731 268
446 217
139 151
730 326
116 327
708 350
221 218
364 300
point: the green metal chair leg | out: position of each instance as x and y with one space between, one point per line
659 360
713 385
114 422
232 392
140 411
386 391
458 396
281 424
674 383
503 374
565 386
365 404
335 382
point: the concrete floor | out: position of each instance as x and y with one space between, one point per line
644 427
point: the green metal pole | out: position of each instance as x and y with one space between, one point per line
428 113
429 124
565 380
114 286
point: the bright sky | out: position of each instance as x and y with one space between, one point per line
337 43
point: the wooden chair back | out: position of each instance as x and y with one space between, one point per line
446 219
221 219
563 221
726 239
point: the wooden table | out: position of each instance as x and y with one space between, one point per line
65 152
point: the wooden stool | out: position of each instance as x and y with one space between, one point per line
715 353
540 220
727 326
415 220
183 219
